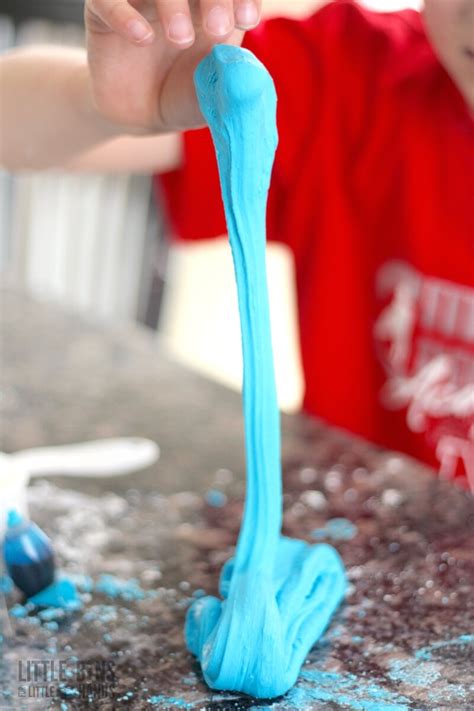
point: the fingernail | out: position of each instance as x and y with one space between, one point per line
139 31
246 15
180 28
219 21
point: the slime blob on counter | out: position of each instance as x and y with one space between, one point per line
278 593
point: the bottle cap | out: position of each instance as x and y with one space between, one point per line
14 518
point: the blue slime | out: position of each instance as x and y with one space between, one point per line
278 594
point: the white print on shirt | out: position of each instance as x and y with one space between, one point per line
425 336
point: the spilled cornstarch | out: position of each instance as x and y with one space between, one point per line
402 640
278 593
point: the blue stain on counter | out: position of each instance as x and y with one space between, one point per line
216 498
69 691
61 594
279 593
337 529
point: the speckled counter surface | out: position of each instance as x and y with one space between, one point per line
403 640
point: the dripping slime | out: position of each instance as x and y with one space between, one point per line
278 594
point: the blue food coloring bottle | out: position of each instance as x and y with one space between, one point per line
28 554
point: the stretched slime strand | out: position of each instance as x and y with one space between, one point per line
279 593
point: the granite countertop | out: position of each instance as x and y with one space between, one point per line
141 547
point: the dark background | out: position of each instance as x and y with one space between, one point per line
60 10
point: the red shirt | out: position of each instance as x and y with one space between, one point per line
372 189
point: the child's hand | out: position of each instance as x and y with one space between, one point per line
142 55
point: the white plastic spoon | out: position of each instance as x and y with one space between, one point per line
98 458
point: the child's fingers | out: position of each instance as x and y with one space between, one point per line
247 13
120 17
217 18
176 20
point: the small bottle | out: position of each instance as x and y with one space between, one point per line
28 554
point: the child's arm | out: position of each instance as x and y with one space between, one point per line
48 119
158 153
58 107
47 110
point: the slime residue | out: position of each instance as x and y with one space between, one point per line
336 529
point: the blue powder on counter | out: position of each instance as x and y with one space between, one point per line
190 679
449 692
52 613
52 626
426 653
337 529
18 611
113 587
421 671
68 691
126 697
216 498
84 583
101 613
346 690
128 590
168 701
413 672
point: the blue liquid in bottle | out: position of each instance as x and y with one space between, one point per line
28 554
